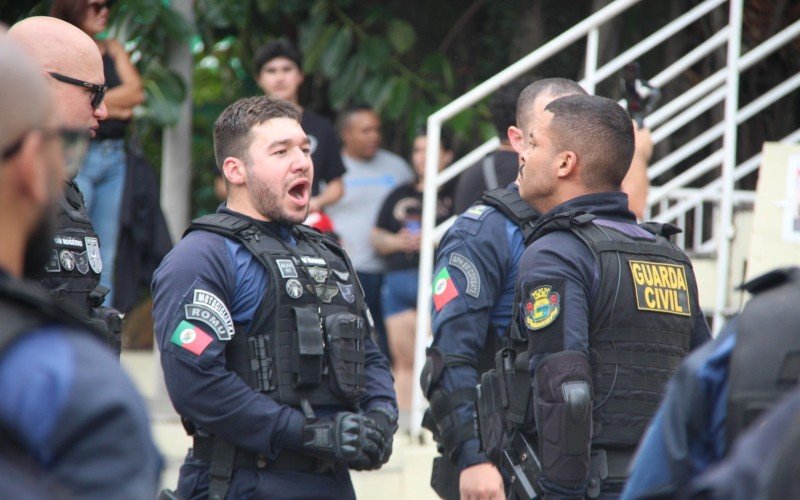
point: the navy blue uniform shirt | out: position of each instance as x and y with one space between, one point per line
201 388
485 239
66 399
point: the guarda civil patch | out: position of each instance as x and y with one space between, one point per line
660 287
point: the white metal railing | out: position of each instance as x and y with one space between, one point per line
676 200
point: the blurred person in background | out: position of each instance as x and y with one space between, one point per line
102 178
372 172
279 73
396 236
499 168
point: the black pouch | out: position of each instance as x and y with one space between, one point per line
307 348
491 417
444 478
346 334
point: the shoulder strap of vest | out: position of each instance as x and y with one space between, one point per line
510 204
223 224
657 228
560 222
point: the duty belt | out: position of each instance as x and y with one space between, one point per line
287 460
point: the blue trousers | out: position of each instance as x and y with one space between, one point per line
372 283
102 180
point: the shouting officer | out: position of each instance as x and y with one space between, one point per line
74 70
264 333
609 307
66 407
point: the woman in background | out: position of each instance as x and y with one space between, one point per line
396 236
102 178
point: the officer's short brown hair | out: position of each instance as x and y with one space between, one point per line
232 128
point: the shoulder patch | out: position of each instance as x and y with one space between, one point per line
444 290
209 309
542 308
192 338
476 212
466 266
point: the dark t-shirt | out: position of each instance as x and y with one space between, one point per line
324 149
111 128
402 208
472 182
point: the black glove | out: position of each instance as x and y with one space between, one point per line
347 437
386 422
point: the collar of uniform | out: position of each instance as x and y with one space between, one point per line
282 231
611 205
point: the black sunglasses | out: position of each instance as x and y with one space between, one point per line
74 143
98 91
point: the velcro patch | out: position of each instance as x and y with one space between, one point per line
475 212
543 315
209 309
542 307
660 287
466 266
192 338
444 290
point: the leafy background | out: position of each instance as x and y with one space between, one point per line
408 58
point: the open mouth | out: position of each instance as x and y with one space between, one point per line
299 191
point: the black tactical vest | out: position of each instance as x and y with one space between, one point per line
73 271
641 322
305 343
765 363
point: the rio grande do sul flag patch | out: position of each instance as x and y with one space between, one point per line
444 290
190 337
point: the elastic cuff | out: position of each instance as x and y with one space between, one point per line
469 454
386 404
292 435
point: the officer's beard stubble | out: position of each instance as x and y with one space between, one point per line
267 201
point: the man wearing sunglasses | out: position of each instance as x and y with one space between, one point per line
71 422
73 70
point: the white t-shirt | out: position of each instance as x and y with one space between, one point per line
366 185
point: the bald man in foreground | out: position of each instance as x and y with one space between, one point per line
67 410
73 71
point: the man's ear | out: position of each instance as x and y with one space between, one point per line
234 171
517 138
30 168
568 163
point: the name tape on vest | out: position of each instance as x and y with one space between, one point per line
660 287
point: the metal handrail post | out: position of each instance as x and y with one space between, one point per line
592 48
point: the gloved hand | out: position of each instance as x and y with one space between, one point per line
347 437
386 422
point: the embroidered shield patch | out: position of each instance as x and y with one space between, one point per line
93 253
542 308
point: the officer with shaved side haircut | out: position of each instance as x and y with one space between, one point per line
609 308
